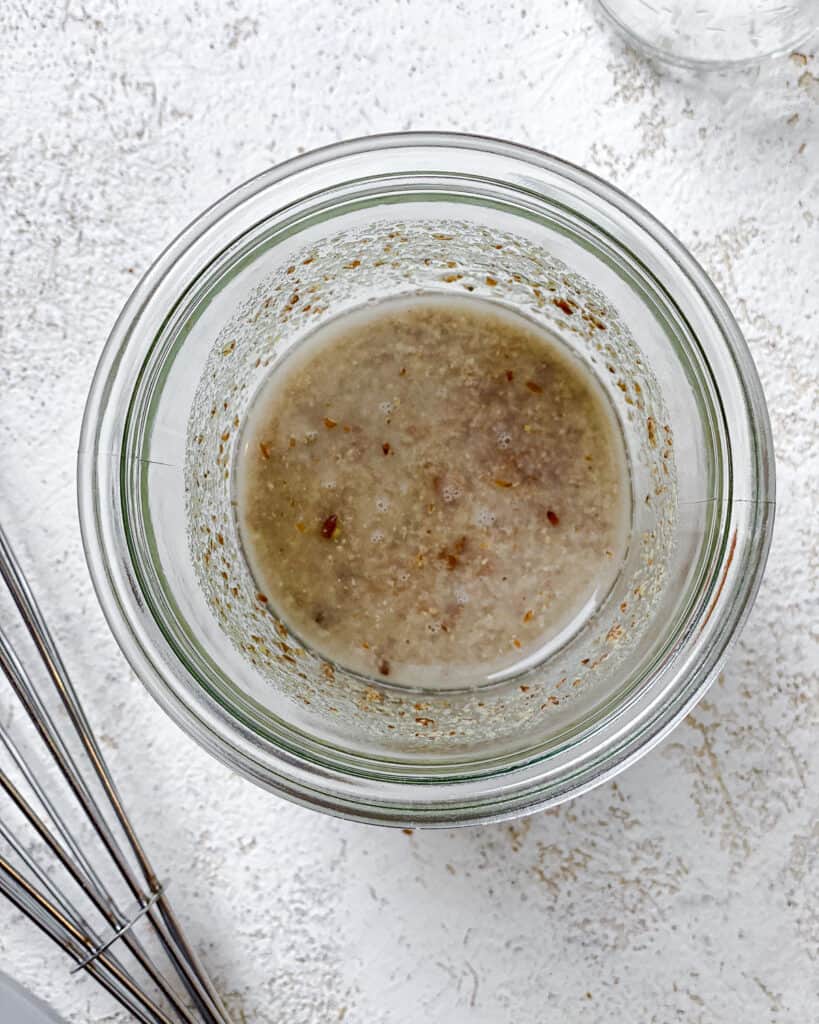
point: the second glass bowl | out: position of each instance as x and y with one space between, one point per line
714 34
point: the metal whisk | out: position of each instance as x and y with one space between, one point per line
71 857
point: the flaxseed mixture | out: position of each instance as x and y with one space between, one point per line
432 491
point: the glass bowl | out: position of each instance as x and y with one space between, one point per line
714 34
329 232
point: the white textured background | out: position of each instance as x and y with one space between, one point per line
687 890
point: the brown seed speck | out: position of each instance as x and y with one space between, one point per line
330 424
516 642
491 281
534 386
553 517
503 483
352 264
563 305
425 721
385 447
220 538
524 689
651 427
529 616
328 527
408 831
384 667
264 448
510 375
261 598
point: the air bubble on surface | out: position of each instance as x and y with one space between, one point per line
382 503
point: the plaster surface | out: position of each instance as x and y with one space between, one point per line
684 890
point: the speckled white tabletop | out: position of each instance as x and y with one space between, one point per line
686 890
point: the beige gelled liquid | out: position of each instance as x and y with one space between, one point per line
432 491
